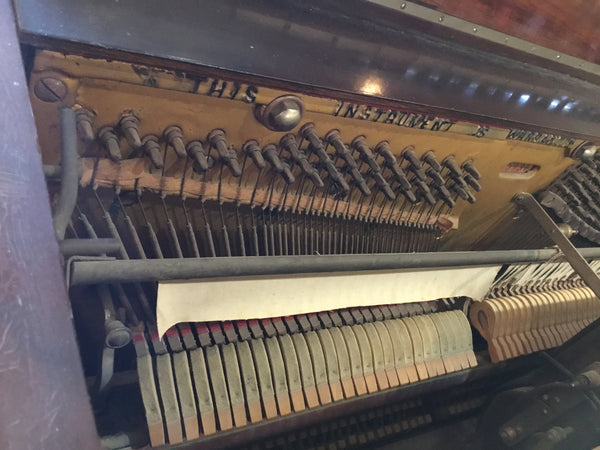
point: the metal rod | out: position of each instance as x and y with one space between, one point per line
70 174
89 247
91 272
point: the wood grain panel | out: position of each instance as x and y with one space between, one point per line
44 401
570 27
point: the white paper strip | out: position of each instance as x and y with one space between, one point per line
285 295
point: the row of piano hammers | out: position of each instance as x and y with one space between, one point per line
522 324
200 391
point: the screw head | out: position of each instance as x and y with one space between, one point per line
282 114
50 90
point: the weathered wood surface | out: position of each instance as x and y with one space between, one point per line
44 402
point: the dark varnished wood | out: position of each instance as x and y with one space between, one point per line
44 404
328 48
570 26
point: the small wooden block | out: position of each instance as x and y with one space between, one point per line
345 367
154 417
168 395
293 373
388 354
203 394
265 382
187 402
234 385
355 360
366 354
319 366
250 381
306 370
417 342
379 367
279 377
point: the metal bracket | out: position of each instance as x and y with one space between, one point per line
571 253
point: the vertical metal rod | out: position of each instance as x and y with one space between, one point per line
69 184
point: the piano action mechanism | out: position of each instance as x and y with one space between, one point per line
233 248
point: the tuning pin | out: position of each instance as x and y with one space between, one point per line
452 166
308 132
335 139
85 121
470 168
429 158
445 195
152 150
462 193
287 175
426 192
471 181
129 127
384 186
410 195
269 152
196 152
251 148
409 155
174 137
110 142
289 143
228 156
436 178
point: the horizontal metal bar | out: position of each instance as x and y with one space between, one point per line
89 247
123 271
